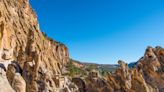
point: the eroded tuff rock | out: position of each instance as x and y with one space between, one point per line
4 83
31 61
128 80
152 67
146 76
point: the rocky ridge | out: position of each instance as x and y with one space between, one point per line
32 62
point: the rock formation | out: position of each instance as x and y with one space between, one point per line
32 62
146 76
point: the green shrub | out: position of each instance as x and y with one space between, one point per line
75 71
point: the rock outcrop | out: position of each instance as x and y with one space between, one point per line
146 76
128 80
31 60
151 66
4 83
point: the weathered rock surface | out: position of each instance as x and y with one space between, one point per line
4 83
31 60
146 76
151 66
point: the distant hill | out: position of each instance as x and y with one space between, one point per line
132 64
101 67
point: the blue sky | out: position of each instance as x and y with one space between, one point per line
103 31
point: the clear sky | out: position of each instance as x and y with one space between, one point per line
103 31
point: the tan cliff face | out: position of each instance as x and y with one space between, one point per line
32 62
37 60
